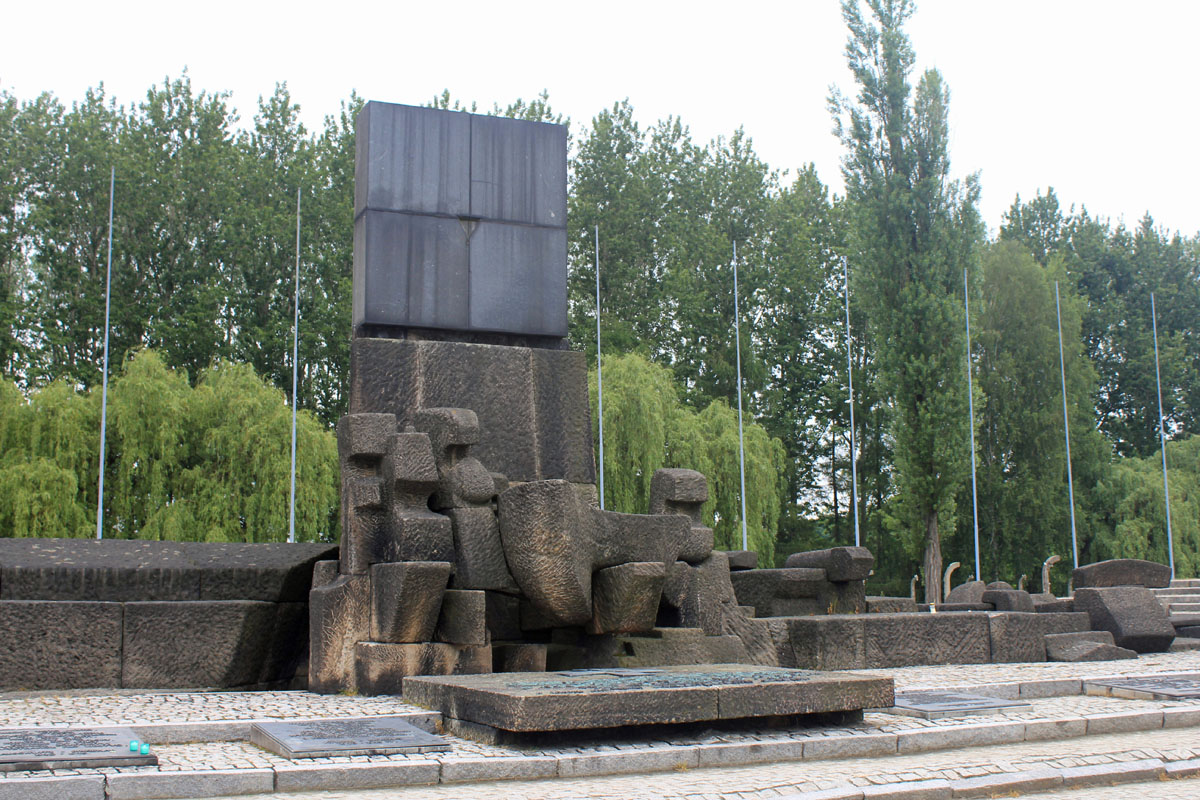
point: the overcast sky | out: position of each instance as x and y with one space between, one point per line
1096 98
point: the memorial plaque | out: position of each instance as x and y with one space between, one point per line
530 702
69 748
360 736
1149 687
939 704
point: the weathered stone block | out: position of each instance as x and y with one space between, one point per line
1008 600
693 597
891 605
762 587
478 552
503 616
405 600
969 592
519 171
678 491
902 640
276 572
113 570
1132 614
222 643
562 416
324 572
60 644
828 642
381 667
519 657
1122 572
1085 646
365 436
625 598
1020 636
839 563
339 618
463 619
415 535
742 559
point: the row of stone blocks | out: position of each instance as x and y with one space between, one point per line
66 644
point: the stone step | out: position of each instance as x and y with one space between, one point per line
1183 608
1176 591
1185 583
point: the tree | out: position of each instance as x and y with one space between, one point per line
914 232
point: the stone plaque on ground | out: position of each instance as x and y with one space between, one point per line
360 736
530 702
939 704
69 748
1150 687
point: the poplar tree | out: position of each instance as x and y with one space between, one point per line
913 232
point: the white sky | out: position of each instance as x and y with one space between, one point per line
1096 98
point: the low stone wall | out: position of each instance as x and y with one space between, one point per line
153 615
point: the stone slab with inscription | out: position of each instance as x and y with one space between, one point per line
69 748
1150 687
940 704
363 736
587 699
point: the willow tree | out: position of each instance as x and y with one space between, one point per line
913 231
646 427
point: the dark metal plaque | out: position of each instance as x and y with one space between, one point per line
69 748
938 704
359 736
1149 687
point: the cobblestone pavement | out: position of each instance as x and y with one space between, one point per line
1116 751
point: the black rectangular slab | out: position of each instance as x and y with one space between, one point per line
358 736
1149 687
574 700
24 749
944 703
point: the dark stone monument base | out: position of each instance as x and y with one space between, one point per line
574 700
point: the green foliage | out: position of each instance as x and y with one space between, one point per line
647 428
210 463
914 231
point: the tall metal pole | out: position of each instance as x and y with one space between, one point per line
1162 438
112 182
295 375
599 371
1062 366
850 381
971 411
737 332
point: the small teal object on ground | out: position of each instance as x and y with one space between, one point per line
133 745
145 749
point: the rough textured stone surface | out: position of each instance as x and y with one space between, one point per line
693 596
199 644
519 658
463 618
503 616
60 645
891 605
463 481
742 559
998 586
602 700
970 592
1021 636
1084 646
625 598
828 642
1008 600
1122 572
276 572
382 667
839 563
775 592
339 618
1052 604
479 561
1188 632
675 647
531 403
405 600
553 542
324 572
363 439
1132 614
678 491
902 640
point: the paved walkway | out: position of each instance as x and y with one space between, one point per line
1060 738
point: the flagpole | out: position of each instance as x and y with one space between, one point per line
112 182
741 442
295 375
599 371
1162 438
971 410
1066 427
850 382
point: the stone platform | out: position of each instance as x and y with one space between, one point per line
590 699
